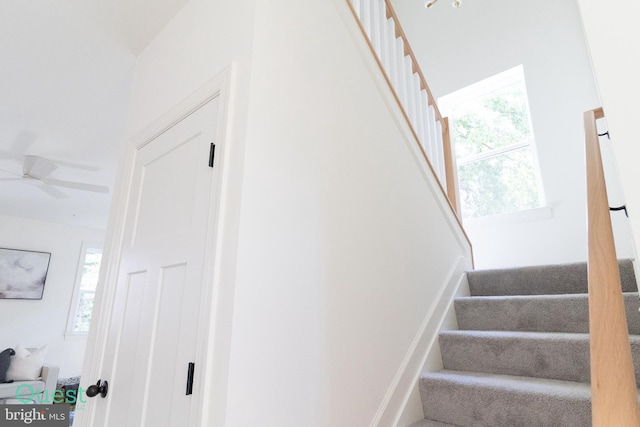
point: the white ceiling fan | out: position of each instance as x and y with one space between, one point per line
36 171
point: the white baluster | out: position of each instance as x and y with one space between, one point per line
384 35
416 100
442 174
357 6
401 72
410 108
365 17
427 125
422 107
433 139
375 26
391 61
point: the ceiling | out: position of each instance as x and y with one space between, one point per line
66 70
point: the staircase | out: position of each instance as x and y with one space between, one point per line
521 354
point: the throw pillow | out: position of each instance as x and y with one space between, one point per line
5 360
26 365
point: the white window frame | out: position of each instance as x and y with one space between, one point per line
77 291
486 87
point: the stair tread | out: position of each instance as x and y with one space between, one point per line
526 335
549 279
431 423
487 400
539 297
553 355
530 335
552 313
527 385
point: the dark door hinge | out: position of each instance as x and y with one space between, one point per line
212 154
190 371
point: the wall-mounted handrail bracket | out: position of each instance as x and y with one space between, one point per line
620 208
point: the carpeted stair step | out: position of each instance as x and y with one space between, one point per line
559 356
488 400
429 423
545 280
521 356
550 313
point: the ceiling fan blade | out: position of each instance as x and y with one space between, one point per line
38 167
53 192
76 185
68 164
10 179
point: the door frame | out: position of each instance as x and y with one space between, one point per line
94 363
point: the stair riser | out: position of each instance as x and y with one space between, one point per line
547 280
543 314
475 406
565 357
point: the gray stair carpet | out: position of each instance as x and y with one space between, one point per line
521 355
545 280
427 423
549 313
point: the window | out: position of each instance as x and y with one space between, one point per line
85 290
494 143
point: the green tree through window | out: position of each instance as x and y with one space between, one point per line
494 141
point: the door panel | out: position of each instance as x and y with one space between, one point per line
156 314
160 182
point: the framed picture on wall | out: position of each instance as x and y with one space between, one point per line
23 273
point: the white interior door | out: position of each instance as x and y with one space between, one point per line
156 318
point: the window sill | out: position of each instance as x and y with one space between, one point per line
536 214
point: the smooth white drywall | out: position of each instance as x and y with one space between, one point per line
612 32
34 323
344 248
203 39
458 47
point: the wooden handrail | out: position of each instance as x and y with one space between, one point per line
450 192
613 385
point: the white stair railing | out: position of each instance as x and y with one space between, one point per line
389 44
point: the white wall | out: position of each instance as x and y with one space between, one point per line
612 32
346 257
34 323
457 47
344 250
